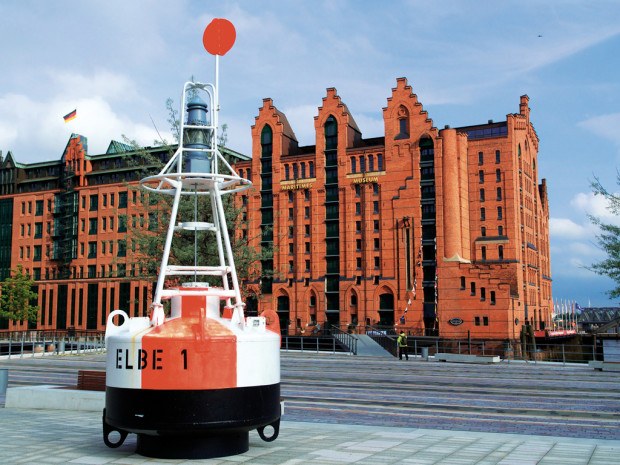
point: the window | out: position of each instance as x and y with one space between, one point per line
312 300
483 214
353 300
375 225
306 195
362 164
371 163
376 243
121 270
481 176
307 247
483 252
105 200
358 263
482 195
311 169
483 294
38 208
499 193
83 202
499 213
375 188
498 175
358 226
295 171
122 248
291 266
483 231
37 253
291 231
122 223
112 200
358 208
377 262
500 230
477 321
103 244
92 226
375 207
291 196
353 165
462 283
497 156
307 230
358 244
473 288
480 158
122 200
290 249
331 133
306 212
492 297
290 213
92 271
358 190
303 170
92 249
500 252
38 230
485 321
307 265
379 162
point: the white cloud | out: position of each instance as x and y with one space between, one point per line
564 228
605 126
595 205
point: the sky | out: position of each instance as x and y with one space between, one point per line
468 61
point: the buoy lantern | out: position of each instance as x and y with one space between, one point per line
193 380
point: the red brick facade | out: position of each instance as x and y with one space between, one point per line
449 224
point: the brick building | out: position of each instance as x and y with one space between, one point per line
446 228
66 223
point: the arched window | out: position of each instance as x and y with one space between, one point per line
353 165
363 164
287 172
266 140
403 123
295 171
311 168
331 133
303 170
371 163
379 162
499 193
353 299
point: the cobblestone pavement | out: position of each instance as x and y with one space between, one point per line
63 437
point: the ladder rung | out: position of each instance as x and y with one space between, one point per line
198 270
193 292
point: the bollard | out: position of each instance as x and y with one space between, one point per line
4 380
425 353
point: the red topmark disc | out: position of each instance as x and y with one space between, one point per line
219 36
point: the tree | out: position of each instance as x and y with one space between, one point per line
608 238
17 296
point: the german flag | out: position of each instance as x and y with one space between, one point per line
69 116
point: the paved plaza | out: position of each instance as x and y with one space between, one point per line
57 437
342 409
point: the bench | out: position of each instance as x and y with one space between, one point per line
599 365
466 358
91 380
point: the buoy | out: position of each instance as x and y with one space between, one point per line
194 381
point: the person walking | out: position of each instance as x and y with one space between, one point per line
402 346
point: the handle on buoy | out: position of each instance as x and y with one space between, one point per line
276 430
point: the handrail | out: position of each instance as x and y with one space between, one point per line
345 338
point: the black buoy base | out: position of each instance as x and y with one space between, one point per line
193 447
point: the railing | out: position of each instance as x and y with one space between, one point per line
347 339
41 343
315 344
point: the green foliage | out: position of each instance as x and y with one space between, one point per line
17 296
608 239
